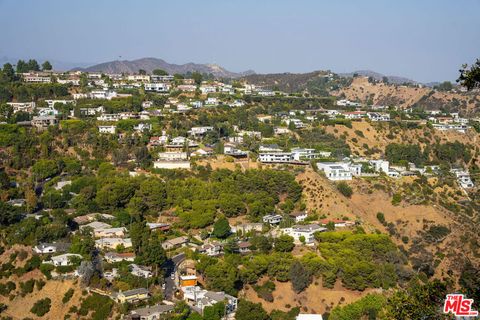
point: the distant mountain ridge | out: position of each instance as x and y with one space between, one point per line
150 64
378 76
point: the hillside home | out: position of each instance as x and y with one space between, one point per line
306 231
109 117
157 87
130 296
463 178
199 131
27 107
113 257
140 271
199 298
354 115
96 225
338 171
272 219
247 227
300 154
298 216
211 249
275 157
110 232
377 116
107 129
175 243
309 316
337 223
64 259
155 312
113 243
43 122
45 248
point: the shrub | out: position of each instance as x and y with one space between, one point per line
396 199
381 217
41 307
47 269
27 287
345 189
68 295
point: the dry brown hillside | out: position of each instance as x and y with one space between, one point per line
379 135
409 224
405 97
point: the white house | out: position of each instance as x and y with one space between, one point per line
299 216
109 117
463 178
200 131
107 129
309 316
275 157
377 116
304 154
142 127
212 101
200 298
44 248
140 271
337 171
64 259
27 107
306 231
272 218
157 87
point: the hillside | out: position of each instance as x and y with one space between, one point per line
405 97
150 64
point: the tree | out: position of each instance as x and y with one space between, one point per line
300 277
142 72
197 76
221 228
247 310
470 77
8 74
8 214
385 80
33 65
46 66
44 168
284 243
160 72
345 189
41 307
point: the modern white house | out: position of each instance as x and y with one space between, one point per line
306 231
299 216
463 178
107 129
199 131
338 171
304 154
378 116
272 218
157 86
109 117
275 157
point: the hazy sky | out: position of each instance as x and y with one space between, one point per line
426 40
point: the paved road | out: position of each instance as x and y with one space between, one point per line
171 267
